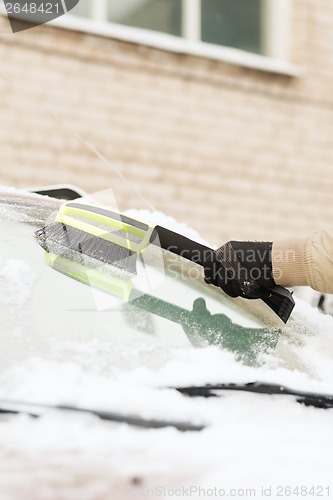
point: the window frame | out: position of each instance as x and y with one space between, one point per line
277 36
275 21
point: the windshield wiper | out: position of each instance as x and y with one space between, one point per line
316 400
36 410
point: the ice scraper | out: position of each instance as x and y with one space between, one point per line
112 238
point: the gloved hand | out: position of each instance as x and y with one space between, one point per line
241 268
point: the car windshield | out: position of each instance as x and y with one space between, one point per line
119 325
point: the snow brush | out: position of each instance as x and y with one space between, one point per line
112 238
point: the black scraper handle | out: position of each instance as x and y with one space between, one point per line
278 298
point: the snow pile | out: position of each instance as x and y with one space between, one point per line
253 444
168 222
250 442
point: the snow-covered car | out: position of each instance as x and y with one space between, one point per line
115 383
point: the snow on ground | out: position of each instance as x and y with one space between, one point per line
251 441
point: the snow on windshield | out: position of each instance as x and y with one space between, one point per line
56 348
154 330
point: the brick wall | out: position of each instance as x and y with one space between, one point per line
233 152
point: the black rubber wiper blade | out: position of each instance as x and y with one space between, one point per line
316 400
37 410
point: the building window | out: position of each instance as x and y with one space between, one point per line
156 15
83 9
256 26
233 23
